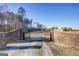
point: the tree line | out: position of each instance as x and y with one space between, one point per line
20 15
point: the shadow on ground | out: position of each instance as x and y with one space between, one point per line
3 54
36 39
21 47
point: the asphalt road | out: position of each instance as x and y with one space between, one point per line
34 48
29 47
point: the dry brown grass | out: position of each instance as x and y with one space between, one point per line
58 50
